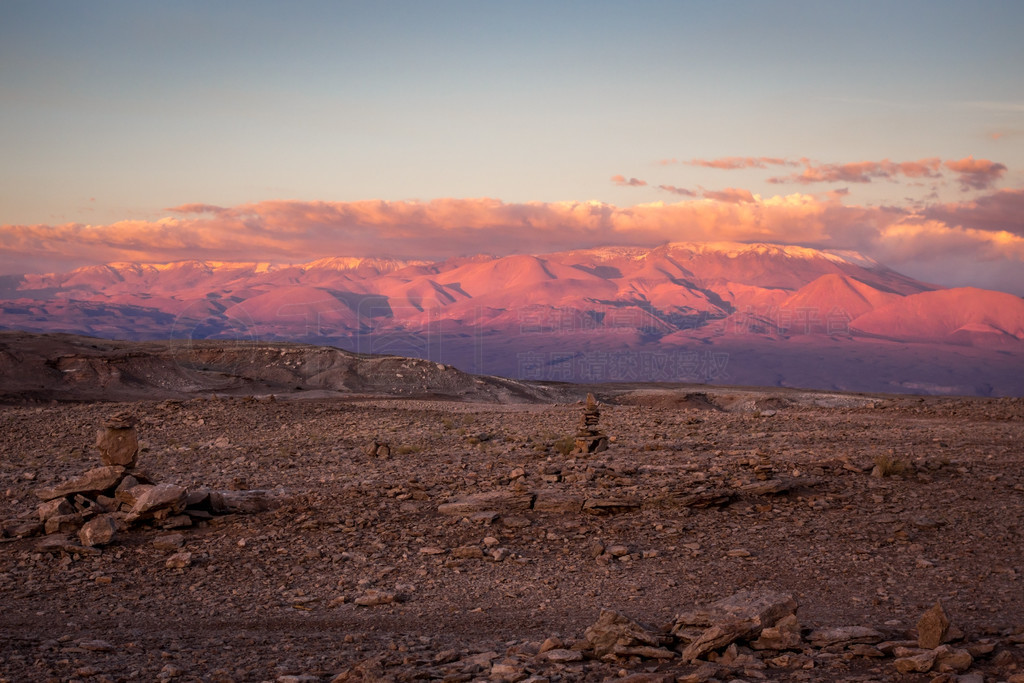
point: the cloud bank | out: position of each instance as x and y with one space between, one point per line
979 242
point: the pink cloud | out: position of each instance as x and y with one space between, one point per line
976 174
622 181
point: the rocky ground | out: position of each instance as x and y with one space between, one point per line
477 547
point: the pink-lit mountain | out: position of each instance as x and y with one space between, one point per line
755 314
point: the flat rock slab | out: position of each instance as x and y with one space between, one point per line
94 481
499 501
557 501
611 506
823 637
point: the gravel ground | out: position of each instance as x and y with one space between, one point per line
273 596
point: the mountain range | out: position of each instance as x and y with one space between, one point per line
724 313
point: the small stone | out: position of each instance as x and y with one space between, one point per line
63 524
179 560
618 550
468 552
932 627
98 531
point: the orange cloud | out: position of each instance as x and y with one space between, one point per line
976 174
628 182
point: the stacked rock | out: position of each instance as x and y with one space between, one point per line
103 501
589 437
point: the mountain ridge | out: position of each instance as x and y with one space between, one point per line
493 314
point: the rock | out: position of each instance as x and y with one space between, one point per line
921 663
561 655
716 637
378 449
952 660
374 597
246 502
55 508
60 543
932 627
162 498
761 609
785 635
98 530
63 524
97 480
19 528
118 445
500 501
179 560
614 631
769 487
553 643
468 552
740 616
844 635
557 501
169 541
610 506
704 499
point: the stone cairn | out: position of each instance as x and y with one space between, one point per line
589 437
91 509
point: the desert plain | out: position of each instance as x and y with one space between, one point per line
478 546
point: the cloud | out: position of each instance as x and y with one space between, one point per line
977 242
862 171
731 195
1001 211
733 163
628 182
197 208
681 191
976 174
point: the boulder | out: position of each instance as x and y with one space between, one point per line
785 635
55 508
742 616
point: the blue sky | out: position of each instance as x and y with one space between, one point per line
116 111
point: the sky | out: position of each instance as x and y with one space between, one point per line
285 132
